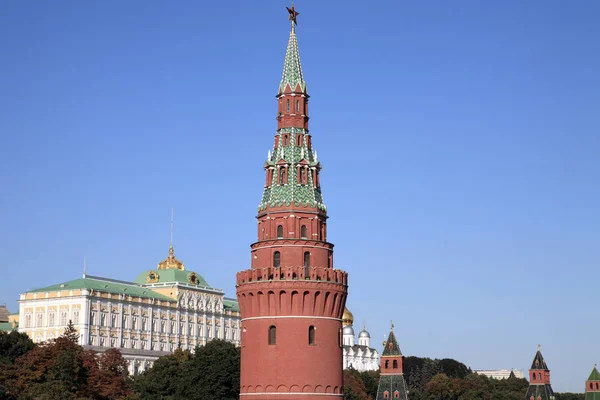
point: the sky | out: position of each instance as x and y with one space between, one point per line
459 143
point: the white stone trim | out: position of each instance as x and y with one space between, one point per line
291 316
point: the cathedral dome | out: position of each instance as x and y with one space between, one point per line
364 334
347 318
348 330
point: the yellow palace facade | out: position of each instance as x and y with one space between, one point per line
161 310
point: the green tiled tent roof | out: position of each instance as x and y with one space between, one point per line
538 361
543 392
391 346
171 275
594 376
292 69
104 285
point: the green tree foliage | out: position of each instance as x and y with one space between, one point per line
13 345
212 372
354 386
61 369
570 396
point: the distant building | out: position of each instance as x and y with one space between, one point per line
359 356
539 380
8 322
500 373
592 386
163 309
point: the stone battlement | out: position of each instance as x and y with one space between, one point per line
292 273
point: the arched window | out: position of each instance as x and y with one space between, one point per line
297 105
596 385
287 105
539 376
396 394
302 176
279 231
303 232
276 259
533 377
386 395
272 335
298 140
395 364
306 259
591 385
387 363
311 335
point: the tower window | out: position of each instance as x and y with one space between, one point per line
272 335
396 394
281 175
303 232
302 176
276 259
540 376
297 105
279 231
533 377
596 385
387 364
311 335
395 364
287 105
298 140
386 395
306 259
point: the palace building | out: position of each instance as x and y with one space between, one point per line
161 310
292 298
359 356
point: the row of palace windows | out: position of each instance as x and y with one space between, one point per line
273 335
277 259
51 319
303 232
394 363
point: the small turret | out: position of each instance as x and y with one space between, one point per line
592 386
539 379
391 377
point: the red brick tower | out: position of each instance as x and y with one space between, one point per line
292 299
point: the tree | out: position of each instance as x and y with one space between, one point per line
110 380
214 372
162 381
440 387
13 345
354 386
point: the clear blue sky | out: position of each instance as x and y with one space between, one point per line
459 140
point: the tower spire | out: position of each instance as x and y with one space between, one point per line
171 238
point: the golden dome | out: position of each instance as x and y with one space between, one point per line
171 262
347 318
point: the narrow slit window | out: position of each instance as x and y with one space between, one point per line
276 259
395 364
311 335
297 105
272 335
280 232
306 259
287 105
303 232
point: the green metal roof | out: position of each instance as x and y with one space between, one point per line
594 376
104 285
171 275
231 305
391 346
6 326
